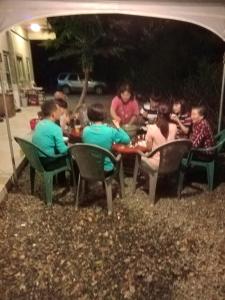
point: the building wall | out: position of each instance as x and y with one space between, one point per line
16 46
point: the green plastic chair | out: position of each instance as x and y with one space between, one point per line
90 160
209 166
31 152
171 155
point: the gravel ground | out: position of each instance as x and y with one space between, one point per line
173 250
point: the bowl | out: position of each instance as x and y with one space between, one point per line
131 130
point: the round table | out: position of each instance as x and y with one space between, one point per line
128 150
75 136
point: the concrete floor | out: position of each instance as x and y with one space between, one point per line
20 126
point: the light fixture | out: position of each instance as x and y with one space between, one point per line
35 27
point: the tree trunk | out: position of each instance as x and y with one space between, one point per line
84 90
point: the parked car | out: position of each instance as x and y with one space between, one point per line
71 82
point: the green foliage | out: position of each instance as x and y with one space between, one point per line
81 38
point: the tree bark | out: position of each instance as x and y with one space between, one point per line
84 90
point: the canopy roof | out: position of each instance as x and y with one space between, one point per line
209 14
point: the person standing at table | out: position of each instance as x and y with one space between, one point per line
48 136
182 118
124 107
149 110
163 131
101 134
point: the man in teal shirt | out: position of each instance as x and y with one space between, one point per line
48 136
101 134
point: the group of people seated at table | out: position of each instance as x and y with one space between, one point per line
163 121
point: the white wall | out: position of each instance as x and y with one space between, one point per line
16 43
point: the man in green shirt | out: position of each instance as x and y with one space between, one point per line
48 136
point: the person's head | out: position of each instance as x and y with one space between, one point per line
60 95
96 112
179 106
62 104
198 113
154 102
125 92
50 110
163 119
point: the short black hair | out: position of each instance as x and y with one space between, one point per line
155 97
48 107
126 87
96 112
183 104
201 110
61 103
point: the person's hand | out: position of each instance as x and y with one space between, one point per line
116 123
145 114
174 118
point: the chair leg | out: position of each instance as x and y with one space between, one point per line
32 179
210 175
153 176
180 183
108 187
121 178
48 182
77 193
136 169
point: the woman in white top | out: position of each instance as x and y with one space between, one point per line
160 133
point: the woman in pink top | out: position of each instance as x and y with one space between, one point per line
160 133
124 107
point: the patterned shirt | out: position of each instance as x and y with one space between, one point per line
186 121
202 135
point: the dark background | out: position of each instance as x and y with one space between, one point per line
175 58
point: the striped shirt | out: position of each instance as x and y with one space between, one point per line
186 121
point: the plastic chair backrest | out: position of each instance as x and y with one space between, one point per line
220 141
171 155
31 152
90 160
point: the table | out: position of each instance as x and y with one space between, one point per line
128 150
75 136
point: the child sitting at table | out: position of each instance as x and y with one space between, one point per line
48 136
149 110
101 134
124 107
182 118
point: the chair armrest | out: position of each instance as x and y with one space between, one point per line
204 150
53 156
148 154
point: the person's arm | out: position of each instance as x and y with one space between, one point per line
113 110
119 135
136 113
183 128
59 142
133 120
148 139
